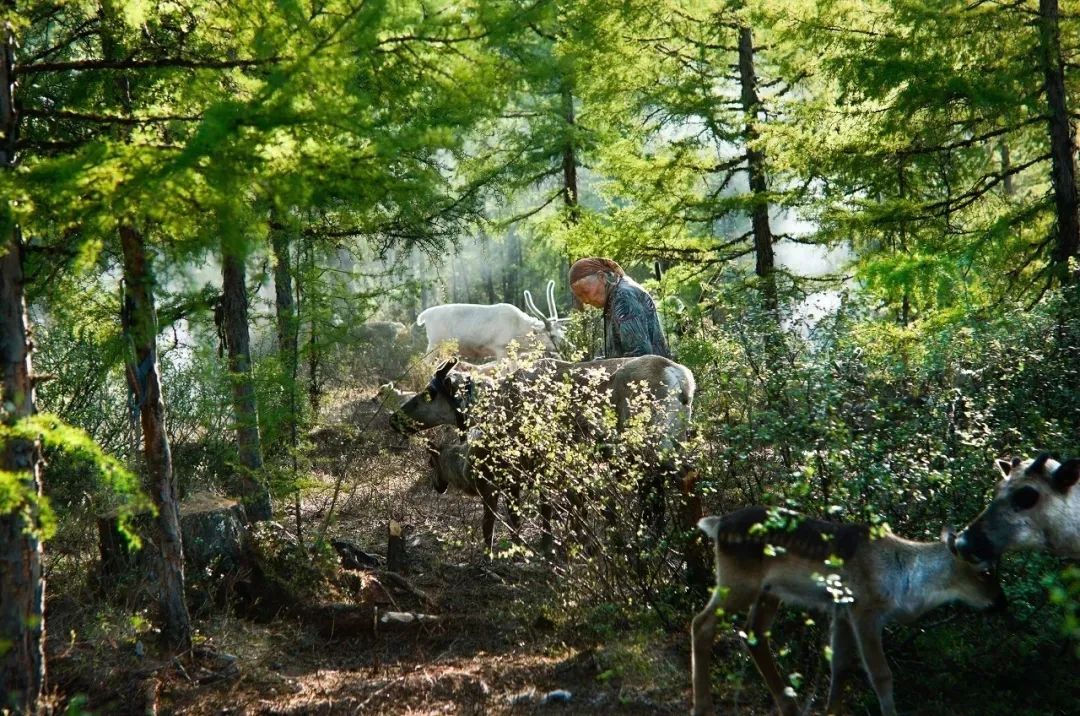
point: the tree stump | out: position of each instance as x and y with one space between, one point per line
395 549
212 528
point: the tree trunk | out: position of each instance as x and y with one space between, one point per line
283 301
569 158
288 349
755 159
144 381
570 185
253 494
314 386
466 286
489 279
1008 186
905 304
287 339
511 269
22 590
1061 142
423 276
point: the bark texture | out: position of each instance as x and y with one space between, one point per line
764 262
22 590
144 380
1062 149
234 315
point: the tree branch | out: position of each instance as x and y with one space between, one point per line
106 118
161 62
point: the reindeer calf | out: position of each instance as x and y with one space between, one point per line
765 556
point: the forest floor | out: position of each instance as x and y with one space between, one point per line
503 642
506 638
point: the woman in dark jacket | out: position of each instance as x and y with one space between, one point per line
631 326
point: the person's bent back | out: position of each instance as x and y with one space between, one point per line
631 324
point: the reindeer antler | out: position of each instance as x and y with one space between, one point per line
532 306
553 311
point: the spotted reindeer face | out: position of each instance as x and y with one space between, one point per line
1031 509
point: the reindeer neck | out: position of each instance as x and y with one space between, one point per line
913 577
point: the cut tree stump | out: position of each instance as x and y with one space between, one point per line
396 560
212 527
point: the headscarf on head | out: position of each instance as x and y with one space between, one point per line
593 265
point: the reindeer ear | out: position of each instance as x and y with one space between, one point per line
1038 464
948 536
1066 475
445 367
1005 466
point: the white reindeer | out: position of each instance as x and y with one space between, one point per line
483 331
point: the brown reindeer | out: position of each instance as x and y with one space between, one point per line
1035 507
455 463
618 384
450 395
766 556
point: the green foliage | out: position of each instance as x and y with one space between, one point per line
911 133
80 449
611 485
1064 589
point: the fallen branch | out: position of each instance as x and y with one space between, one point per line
406 585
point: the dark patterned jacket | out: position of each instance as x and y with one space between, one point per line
631 326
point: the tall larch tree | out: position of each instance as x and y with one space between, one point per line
941 143
693 176
347 109
22 590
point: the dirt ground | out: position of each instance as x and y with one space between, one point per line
502 645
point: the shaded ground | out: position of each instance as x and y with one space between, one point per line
502 644
504 641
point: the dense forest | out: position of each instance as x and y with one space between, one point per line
860 224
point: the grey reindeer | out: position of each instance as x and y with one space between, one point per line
766 556
1035 507
451 395
457 464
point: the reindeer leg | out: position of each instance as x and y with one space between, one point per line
490 497
762 614
513 508
702 634
867 631
844 653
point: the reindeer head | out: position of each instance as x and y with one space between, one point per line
1030 510
554 327
973 583
443 402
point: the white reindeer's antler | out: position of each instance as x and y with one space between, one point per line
553 311
532 306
